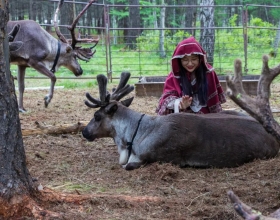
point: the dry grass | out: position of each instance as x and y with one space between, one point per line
68 163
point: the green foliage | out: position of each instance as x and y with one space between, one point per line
149 40
275 13
264 35
116 2
232 20
145 59
120 14
229 41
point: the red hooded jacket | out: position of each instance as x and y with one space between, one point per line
172 89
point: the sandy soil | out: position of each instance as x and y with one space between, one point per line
68 163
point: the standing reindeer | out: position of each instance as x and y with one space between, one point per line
46 54
210 140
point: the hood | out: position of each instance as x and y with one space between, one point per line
188 47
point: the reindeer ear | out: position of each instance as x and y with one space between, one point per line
127 102
111 108
13 46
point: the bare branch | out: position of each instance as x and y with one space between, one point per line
54 130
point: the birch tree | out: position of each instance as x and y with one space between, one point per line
161 31
276 41
134 22
207 35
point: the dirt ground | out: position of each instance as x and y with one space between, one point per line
68 163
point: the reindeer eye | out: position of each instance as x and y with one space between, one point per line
68 49
97 117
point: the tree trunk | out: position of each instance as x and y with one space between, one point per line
134 22
48 17
276 41
161 32
15 180
190 16
155 15
66 18
207 36
39 17
32 15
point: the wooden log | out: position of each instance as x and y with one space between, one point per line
54 130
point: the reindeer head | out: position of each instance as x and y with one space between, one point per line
84 54
100 125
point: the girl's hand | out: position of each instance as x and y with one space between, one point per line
186 102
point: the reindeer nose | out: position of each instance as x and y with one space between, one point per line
79 72
85 133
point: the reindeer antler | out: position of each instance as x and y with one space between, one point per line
58 33
246 212
257 107
13 33
14 45
104 99
122 90
82 53
73 26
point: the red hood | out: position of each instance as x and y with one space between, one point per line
188 47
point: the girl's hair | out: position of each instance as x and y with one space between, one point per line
201 82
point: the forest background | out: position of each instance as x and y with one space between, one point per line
140 36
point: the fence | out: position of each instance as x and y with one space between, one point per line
237 35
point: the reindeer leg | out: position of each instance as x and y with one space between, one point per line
40 67
133 163
21 87
49 97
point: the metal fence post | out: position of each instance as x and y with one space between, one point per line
245 38
107 42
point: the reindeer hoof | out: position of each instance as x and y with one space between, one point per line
22 110
47 101
132 166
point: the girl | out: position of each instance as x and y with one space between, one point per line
192 85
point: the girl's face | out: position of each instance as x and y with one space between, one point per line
190 63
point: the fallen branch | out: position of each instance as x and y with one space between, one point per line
247 213
50 195
60 129
45 196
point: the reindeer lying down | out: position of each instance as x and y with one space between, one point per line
210 140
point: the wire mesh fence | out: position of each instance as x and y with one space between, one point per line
239 31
